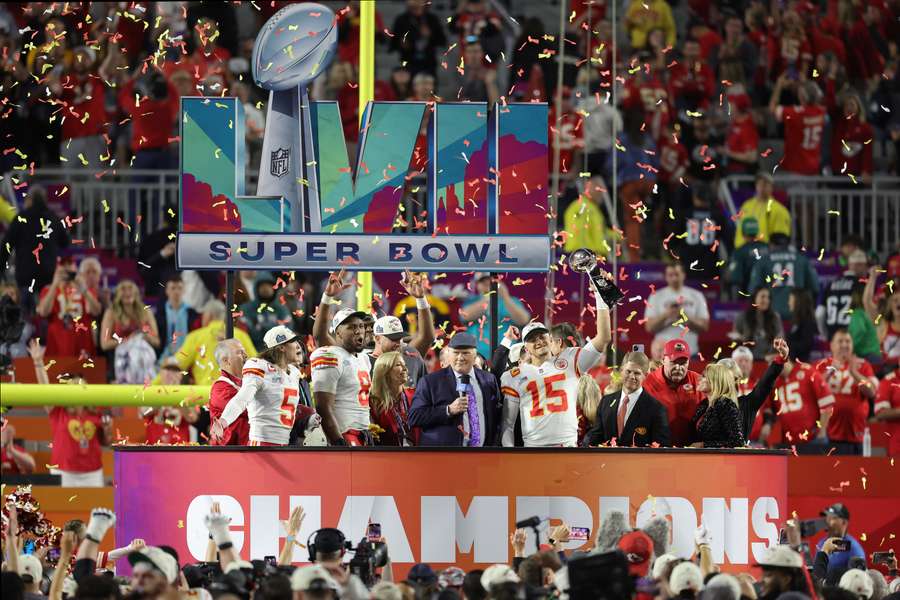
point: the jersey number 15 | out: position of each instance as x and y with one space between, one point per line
562 403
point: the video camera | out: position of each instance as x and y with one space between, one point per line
600 577
368 557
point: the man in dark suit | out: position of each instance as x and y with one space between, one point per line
458 405
631 417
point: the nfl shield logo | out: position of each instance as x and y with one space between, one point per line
281 161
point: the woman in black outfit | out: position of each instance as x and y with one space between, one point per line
802 335
718 418
750 404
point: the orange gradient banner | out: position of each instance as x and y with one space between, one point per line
448 507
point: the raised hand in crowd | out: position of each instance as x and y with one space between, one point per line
217 525
517 540
292 528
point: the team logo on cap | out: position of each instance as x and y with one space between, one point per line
679 347
280 338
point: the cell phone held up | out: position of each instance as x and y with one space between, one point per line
841 545
579 534
882 558
373 533
811 527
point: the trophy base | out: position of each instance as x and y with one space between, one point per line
608 291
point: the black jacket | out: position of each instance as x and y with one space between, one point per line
801 339
751 403
719 425
647 423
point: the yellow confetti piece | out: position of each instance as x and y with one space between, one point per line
180 524
862 537
105 205
72 498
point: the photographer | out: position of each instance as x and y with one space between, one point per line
329 546
838 547
69 307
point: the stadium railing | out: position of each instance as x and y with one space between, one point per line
826 209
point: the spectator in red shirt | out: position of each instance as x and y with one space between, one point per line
645 91
475 19
170 424
791 52
851 136
709 39
14 460
673 164
887 408
853 383
691 82
803 401
68 305
803 126
82 94
79 434
676 387
742 143
568 127
230 356
390 400
152 103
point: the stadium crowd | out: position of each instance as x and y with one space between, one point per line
619 563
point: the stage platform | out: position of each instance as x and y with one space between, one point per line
449 506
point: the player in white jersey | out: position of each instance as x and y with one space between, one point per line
270 388
542 391
341 380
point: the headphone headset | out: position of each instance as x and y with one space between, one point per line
311 542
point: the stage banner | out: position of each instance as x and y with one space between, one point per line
448 507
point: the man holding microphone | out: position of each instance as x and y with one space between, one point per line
458 405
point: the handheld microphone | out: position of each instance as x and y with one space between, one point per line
529 522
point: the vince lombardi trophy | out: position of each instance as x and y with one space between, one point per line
296 45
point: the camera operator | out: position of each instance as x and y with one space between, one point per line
837 548
327 548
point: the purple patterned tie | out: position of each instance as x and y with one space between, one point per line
472 411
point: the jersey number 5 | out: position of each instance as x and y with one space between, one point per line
365 382
549 392
287 409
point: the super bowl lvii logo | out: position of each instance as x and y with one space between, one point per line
487 206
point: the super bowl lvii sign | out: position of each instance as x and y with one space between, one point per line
487 174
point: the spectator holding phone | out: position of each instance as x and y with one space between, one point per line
68 305
837 548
